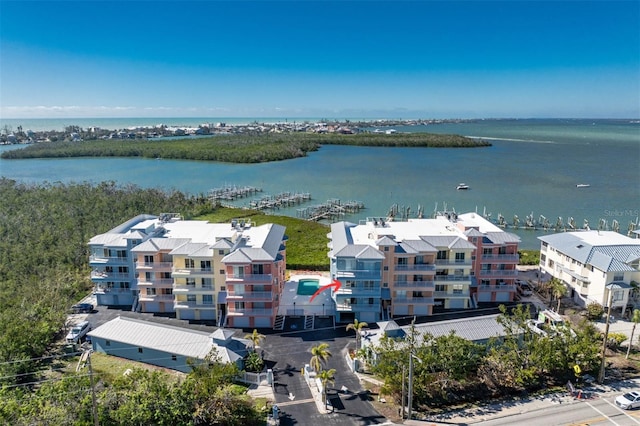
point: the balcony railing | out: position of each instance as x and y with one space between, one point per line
154 265
250 277
450 262
416 267
185 272
359 273
96 258
157 297
180 288
452 278
160 282
425 285
181 304
104 275
250 311
113 290
251 295
504 257
450 294
412 300
359 291
498 272
357 307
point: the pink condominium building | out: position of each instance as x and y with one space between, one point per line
228 273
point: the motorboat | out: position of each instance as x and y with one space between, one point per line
462 186
582 185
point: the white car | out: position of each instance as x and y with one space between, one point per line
78 331
628 400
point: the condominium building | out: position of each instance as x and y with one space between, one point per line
391 269
195 269
596 266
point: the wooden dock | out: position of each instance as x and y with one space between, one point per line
232 192
331 210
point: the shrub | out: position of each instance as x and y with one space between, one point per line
594 311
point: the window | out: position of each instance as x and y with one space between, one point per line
457 289
165 275
174 358
502 250
221 272
121 254
207 283
385 285
205 265
166 291
386 268
442 254
239 306
386 248
485 282
191 298
223 288
148 276
618 295
441 287
417 294
207 299
148 260
459 257
151 292
221 252
191 282
140 350
403 261
238 271
618 277
188 263
486 251
257 269
107 342
123 269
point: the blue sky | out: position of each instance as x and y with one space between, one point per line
347 59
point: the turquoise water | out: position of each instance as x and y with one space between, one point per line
532 167
306 287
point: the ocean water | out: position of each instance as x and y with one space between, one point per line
533 168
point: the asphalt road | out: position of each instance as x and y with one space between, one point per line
287 353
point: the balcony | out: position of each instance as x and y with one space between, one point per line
359 291
412 300
159 283
419 285
357 307
104 275
156 297
486 258
182 304
103 290
458 263
415 268
192 289
451 295
250 295
154 266
95 259
498 273
450 278
191 272
265 278
359 273
251 312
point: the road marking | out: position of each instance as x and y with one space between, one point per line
622 411
301 401
601 413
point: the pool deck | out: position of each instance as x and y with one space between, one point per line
302 305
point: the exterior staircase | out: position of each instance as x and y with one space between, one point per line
309 321
278 323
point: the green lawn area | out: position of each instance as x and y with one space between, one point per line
307 244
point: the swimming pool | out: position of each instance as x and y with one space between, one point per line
308 286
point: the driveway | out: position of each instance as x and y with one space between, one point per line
287 353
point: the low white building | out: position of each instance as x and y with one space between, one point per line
593 263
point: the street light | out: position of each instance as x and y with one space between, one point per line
411 358
610 287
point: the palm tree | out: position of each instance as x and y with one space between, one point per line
558 289
357 326
320 354
636 319
326 377
255 338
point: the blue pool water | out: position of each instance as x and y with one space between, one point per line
306 287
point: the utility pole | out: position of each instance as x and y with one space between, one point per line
402 399
410 402
93 390
606 336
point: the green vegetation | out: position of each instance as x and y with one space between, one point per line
143 396
455 370
242 148
529 257
307 244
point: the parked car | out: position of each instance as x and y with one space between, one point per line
82 308
78 331
524 289
628 400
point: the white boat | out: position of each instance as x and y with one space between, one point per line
462 186
582 185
